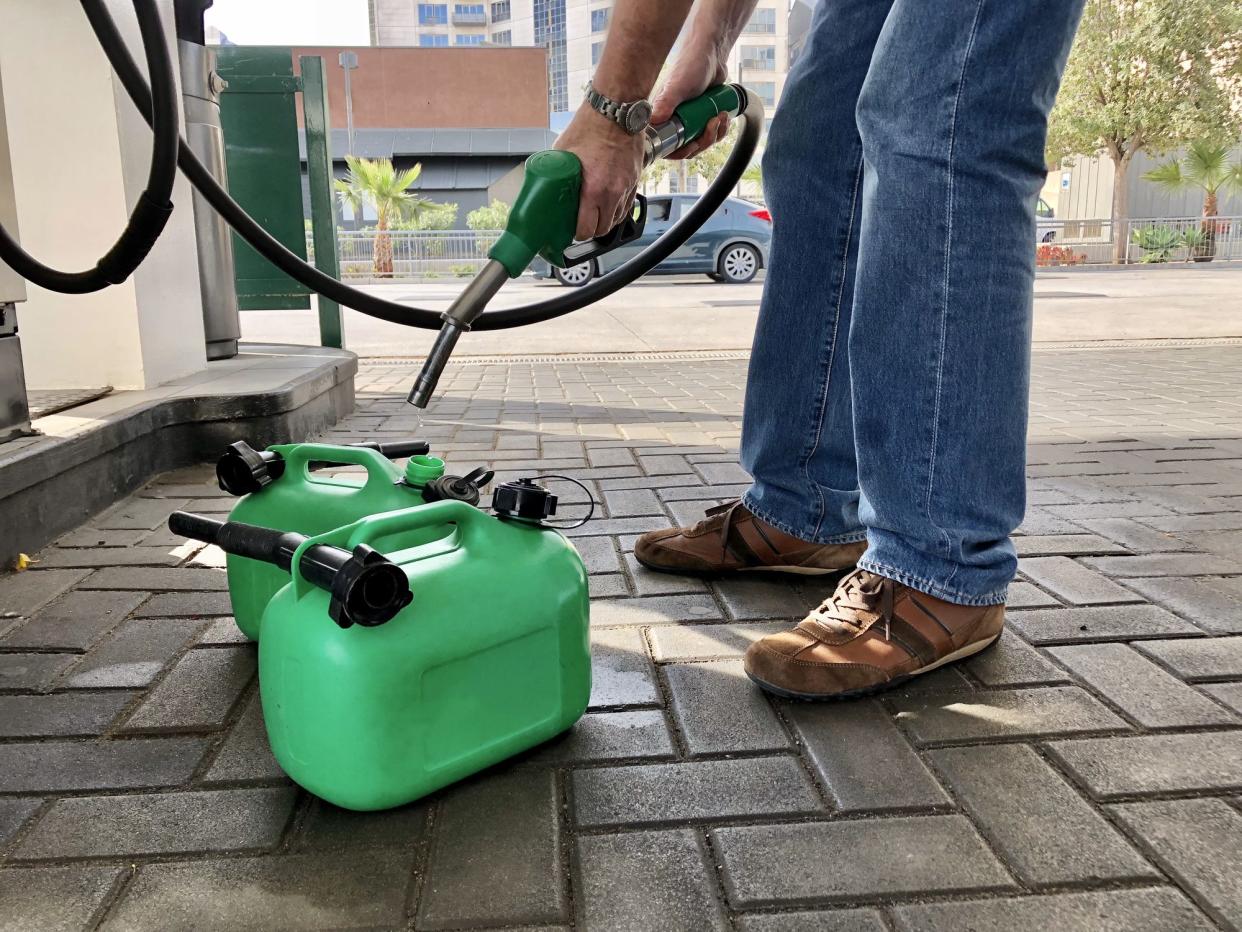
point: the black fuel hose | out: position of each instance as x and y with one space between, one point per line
154 205
371 305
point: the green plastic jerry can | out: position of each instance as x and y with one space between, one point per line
489 657
300 500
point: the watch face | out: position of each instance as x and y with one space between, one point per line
638 117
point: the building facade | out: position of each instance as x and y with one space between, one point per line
573 33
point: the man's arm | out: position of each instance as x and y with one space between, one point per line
639 39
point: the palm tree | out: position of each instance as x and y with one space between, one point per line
1205 165
376 182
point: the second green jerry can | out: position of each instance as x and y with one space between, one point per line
489 657
280 490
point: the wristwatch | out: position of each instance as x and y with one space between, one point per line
633 117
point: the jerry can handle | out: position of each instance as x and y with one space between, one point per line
299 456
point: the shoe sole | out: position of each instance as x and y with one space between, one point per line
960 654
713 574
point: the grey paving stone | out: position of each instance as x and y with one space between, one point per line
752 598
631 503
835 920
1024 595
719 710
497 826
1206 602
649 582
52 766
1131 509
25 593
621 674
1119 623
49 899
156 578
32 671
638 881
13 815
1199 842
185 605
329 828
1043 829
1138 687
863 759
160 823
220 632
97 537
1152 909
599 554
75 621
111 556
776 864
199 692
1013 662
246 754
1074 582
1228 693
722 473
1040 523
60 714
707 642
610 456
1164 564
1180 524
655 610
1064 545
1136 536
1016 713
139 514
134 655
664 465
304 891
1111 767
642 733
699 791
607 586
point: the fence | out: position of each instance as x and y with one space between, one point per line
416 254
432 254
1145 240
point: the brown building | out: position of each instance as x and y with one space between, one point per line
470 116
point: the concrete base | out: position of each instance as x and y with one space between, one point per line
89 457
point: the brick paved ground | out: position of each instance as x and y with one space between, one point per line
1084 774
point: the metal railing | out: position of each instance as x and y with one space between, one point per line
416 254
1146 240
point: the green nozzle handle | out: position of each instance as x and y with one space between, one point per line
545 214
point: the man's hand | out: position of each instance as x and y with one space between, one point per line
698 68
612 160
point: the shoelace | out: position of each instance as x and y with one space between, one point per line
727 509
858 592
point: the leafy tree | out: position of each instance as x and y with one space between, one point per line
1206 166
709 163
1148 75
492 217
376 182
432 217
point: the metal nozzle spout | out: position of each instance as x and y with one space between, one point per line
433 368
457 320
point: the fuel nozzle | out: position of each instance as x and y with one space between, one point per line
367 588
457 320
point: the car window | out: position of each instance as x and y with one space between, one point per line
659 208
1043 209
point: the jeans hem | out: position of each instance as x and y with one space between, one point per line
851 537
931 588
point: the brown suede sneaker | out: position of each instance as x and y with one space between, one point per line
732 540
872 633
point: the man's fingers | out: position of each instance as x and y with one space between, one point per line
588 220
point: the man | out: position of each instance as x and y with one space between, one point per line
885 415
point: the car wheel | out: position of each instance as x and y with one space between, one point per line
715 276
739 263
576 275
1049 236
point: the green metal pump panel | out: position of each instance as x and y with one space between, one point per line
259 117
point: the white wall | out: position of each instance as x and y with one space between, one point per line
80 158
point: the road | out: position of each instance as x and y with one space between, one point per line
692 313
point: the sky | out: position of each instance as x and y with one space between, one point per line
291 22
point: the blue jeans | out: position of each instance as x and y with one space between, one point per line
887 395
